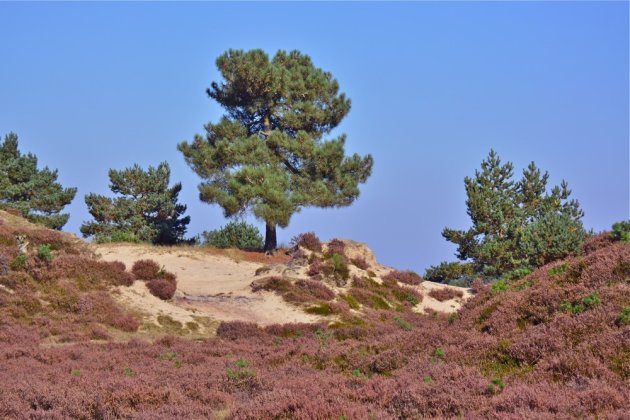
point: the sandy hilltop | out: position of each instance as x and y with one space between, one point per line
216 285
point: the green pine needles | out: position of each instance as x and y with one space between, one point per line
267 154
516 225
34 192
146 209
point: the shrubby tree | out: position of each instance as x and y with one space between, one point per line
516 225
34 192
239 235
621 231
267 154
145 210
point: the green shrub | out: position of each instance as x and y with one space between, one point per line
117 236
239 235
592 300
577 308
621 231
403 324
350 300
558 270
19 262
323 309
499 286
449 271
574 308
439 353
44 252
624 316
340 266
494 384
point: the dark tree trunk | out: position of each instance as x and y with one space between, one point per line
270 238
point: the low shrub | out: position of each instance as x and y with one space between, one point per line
146 269
315 268
88 273
403 324
407 277
589 301
239 235
19 262
316 289
162 288
271 284
336 246
446 293
116 236
360 262
350 300
233 330
44 252
624 316
323 309
307 240
4 265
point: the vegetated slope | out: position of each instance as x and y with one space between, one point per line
555 344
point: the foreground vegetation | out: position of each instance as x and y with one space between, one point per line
555 343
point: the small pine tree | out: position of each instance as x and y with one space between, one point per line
34 192
146 210
516 225
267 154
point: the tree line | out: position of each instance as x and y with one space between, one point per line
268 155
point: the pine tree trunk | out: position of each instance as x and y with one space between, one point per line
270 238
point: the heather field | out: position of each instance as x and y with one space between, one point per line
554 344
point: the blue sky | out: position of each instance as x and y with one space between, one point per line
434 86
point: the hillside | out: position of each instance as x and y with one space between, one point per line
334 337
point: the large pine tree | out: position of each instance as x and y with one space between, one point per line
267 154
35 192
145 210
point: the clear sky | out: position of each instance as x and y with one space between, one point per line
434 86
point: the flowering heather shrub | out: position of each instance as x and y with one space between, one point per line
271 284
4 265
336 246
445 294
146 269
88 272
292 329
162 288
360 262
478 286
233 330
307 240
407 277
315 268
595 242
316 289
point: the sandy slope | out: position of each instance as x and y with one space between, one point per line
217 287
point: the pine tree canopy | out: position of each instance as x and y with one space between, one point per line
34 192
267 154
516 224
146 209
